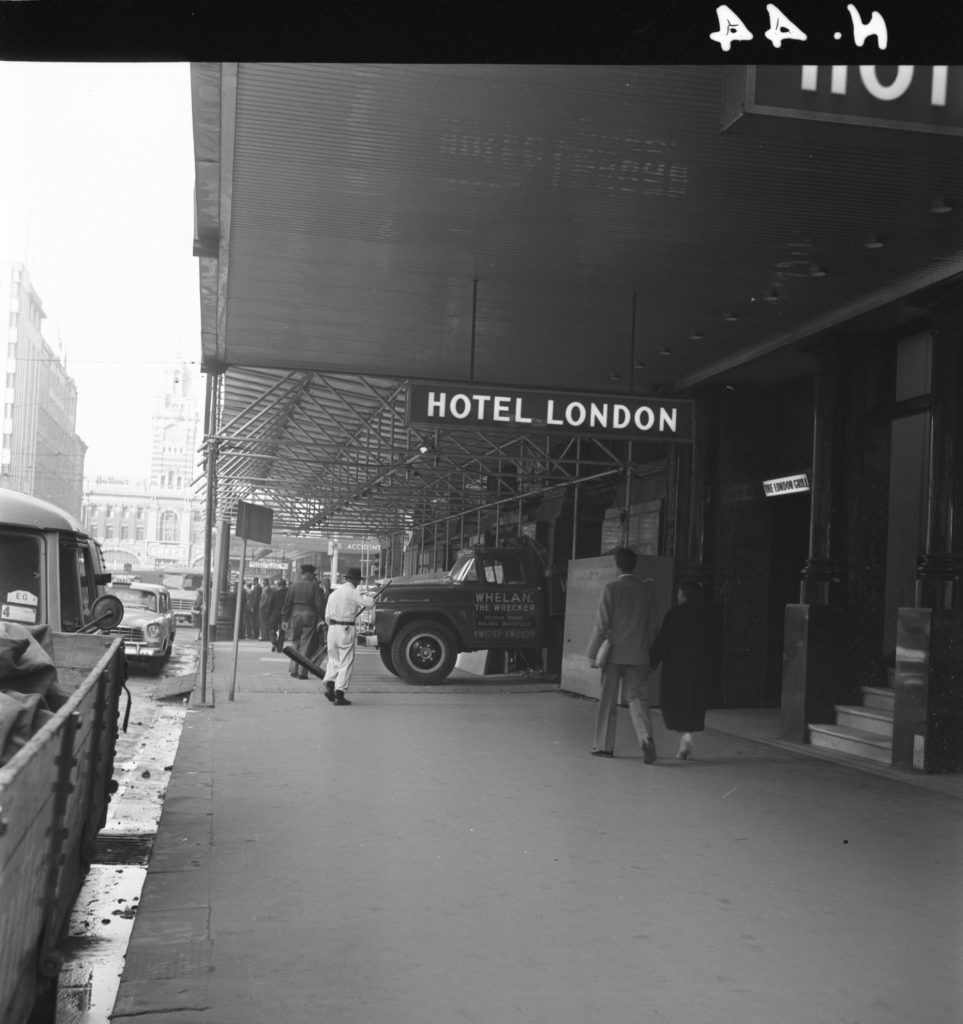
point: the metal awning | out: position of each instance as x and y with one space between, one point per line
582 228
334 453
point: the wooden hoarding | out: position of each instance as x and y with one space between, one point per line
586 578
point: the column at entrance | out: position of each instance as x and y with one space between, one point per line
928 704
816 673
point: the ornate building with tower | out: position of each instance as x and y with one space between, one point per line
156 523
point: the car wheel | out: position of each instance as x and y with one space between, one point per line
385 651
424 652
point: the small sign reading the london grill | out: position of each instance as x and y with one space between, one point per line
551 412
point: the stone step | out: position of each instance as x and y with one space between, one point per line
878 697
855 742
866 719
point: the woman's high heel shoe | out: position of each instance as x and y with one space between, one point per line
685 749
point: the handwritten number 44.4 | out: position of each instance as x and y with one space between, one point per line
732 28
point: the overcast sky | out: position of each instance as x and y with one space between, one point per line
96 180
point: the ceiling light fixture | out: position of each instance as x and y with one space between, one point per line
665 351
695 336
817 270
940 205
615 376
873 242
730 317
639 366
771 296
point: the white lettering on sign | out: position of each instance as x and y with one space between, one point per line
18 613
785 485
519 418
432 405
869 76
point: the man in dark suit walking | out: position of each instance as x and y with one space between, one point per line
251 609
303 609
628 615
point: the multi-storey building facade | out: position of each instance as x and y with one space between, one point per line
40 452
158 522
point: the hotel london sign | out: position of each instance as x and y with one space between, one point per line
549 412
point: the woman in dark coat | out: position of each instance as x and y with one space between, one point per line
687 648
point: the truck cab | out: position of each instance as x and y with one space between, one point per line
51 570
490 598
184 585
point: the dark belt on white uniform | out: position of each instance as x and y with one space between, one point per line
335 622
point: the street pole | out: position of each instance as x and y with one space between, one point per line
238 611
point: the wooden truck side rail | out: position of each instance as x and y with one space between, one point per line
54 795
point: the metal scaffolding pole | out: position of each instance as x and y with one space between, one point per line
207 585
627 505
578 456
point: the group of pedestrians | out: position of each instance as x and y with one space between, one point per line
683 643
261 610
320 626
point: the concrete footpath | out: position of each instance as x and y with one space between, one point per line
452 854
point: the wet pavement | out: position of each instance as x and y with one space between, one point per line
103 915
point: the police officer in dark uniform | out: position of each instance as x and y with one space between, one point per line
303 610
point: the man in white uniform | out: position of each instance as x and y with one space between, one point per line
344 606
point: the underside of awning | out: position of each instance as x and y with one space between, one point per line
582 228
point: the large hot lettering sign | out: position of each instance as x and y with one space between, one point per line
907 98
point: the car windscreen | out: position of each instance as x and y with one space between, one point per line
21 561
137 599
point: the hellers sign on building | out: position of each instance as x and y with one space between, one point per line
551 412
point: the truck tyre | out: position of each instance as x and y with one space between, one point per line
424 652
385 651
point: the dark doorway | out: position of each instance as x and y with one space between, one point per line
788 551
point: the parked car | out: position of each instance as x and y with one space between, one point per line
148 626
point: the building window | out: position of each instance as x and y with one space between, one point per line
140 532
168 527
109 531
124 532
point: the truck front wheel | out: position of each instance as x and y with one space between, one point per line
423 652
